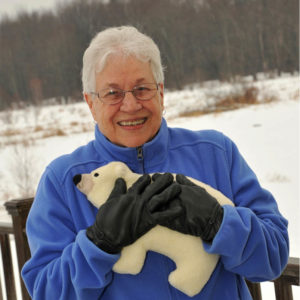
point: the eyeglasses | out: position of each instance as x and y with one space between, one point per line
145 91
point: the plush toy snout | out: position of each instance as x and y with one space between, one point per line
83 182
77 179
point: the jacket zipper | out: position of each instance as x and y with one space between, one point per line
140 158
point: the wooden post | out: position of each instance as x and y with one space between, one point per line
18 209
283 290
255 290
6 229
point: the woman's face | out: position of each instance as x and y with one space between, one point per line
132 122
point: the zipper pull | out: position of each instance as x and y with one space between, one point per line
140 158
140 154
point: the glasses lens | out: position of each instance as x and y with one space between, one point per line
112 95
145 91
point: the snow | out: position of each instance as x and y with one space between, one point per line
266 134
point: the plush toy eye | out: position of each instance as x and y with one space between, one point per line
96 174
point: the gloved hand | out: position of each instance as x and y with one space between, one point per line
126 216
203 214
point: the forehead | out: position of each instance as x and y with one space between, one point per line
120 70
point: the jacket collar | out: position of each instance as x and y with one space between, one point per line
154 152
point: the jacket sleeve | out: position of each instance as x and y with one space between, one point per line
253 238
64 263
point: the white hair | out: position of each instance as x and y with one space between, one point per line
126 40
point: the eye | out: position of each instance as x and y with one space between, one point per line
141 88
96 174
111 93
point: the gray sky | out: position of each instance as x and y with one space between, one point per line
12 7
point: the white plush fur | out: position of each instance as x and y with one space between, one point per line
194 266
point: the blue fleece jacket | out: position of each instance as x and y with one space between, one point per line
252 241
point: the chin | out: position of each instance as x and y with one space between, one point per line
132 142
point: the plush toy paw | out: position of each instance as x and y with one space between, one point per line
131 260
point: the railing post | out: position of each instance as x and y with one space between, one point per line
8 267
283 290
18 209
255 290
6 230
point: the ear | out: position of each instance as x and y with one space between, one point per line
120 169
161 95
89 100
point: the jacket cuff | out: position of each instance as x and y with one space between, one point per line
96 257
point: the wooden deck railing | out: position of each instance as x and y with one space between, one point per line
283 284
6 230
18 209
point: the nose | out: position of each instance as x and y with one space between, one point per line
77 179
130 103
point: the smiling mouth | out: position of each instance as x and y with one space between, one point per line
133 122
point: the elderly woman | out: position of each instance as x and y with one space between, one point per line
74 246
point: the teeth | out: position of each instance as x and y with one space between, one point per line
132 123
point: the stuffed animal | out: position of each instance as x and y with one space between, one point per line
194 266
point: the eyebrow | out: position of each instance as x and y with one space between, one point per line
140 80
115 85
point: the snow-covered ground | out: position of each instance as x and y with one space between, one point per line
266 134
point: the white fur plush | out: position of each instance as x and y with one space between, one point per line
194 266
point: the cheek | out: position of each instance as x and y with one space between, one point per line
105 115
158 108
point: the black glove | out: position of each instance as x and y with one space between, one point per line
125 217
203 214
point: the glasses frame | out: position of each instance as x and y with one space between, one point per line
124 93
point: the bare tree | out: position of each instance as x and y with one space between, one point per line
41 53
23 172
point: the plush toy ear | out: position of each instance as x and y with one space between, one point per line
121 170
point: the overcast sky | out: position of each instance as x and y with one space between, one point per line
12 7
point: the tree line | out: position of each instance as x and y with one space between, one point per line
41 53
